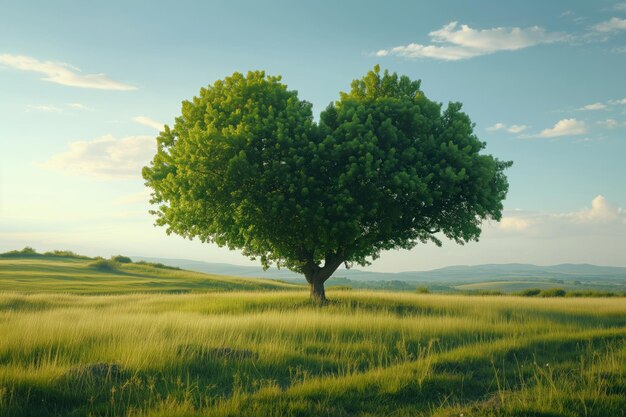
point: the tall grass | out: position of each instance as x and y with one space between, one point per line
275 354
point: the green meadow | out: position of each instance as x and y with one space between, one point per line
70 273
511 286
83 339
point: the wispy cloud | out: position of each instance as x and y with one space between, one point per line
620 7
614 24
602 105
510 129
593 106
146 121
48 108
44 108
608 123
589 139
456 42
517 128
496 127
571 15
77 106
62 73
564 127
105 157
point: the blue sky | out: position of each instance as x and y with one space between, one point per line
85 87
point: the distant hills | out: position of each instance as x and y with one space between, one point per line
564 273
65 271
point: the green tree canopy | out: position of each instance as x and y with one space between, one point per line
247 167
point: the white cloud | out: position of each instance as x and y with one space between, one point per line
414 50
618 102
608 123
602 218
612 25
594 106
146 121
44 108
61 73
620 6
517 128
510 129
105 157
496 127
601 211
564 127
515 224
463 42
76 106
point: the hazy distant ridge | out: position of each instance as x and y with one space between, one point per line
457 273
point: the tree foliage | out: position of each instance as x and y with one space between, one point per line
246 166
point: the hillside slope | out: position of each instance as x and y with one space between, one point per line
33 272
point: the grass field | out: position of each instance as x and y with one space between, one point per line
273 353
259 354
546 289
511 286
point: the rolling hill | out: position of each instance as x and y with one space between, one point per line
69 273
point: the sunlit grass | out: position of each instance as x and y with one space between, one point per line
275 353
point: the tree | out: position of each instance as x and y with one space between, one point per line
246 166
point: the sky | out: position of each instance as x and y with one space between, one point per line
86 86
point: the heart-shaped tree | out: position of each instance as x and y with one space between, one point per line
247 167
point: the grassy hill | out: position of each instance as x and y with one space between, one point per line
70 273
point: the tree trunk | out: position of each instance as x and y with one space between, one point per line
317 291
316 276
